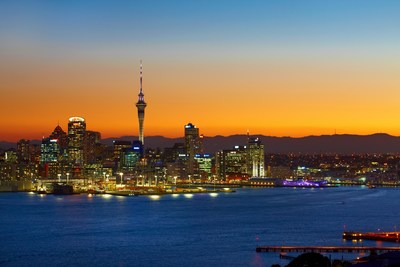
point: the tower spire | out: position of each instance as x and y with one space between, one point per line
141 77
141 105
141 95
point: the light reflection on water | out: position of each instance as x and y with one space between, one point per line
178 231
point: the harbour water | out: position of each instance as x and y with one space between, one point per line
186 230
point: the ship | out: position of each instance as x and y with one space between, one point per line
62 189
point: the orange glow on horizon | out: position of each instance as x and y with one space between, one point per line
268 99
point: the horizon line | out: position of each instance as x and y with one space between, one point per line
283 136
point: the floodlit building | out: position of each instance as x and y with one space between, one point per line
76 135
193 145
255 158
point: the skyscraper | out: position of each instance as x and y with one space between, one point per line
76 134
61 136
193 146
141 105
255 158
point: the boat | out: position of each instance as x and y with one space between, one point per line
41 191
304 183
62 189
371 186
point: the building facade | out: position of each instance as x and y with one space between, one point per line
76 135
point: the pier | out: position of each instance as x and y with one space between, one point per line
326 249
380 236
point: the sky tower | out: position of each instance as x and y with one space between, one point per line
141 105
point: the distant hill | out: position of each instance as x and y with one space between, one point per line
7 145
150 141
341 144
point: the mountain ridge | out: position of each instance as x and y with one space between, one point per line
337 143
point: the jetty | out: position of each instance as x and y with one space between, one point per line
379 236
326 249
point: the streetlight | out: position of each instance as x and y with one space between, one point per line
107 177
104 176
121 173
67 177
59 177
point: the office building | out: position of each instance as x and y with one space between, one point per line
76 134
193 145
255 158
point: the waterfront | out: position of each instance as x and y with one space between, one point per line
186 230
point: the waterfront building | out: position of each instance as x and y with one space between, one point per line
204 163
155 169
175 161
232 163
49 155
76 133
130 158
255 158
193 145
141 105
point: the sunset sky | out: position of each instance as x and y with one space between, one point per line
280 68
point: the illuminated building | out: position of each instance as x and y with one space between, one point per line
255 158
76 134
62 137
49 150
175 161
177 152
204 163
232 162
130 157
118 147
23 151
49 154
90 148
141 105
11 156
193 145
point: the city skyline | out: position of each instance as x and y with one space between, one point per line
277 69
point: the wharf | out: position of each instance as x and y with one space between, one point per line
129 193
380 236
325 249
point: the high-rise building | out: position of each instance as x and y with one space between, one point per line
49 150
130 157
141 105
90 148
118 147
204 163
255 158
76 134
61 136
193 145
231 163
49 153
23 151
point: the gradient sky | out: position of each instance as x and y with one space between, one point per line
281 68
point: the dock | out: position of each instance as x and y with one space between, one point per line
379 236
326 249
